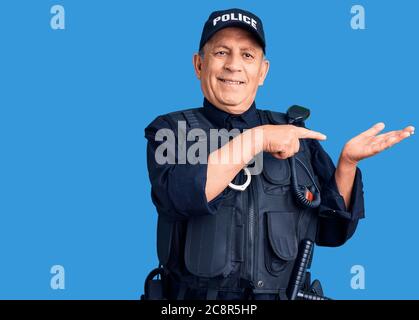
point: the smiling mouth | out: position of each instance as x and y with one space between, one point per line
231 82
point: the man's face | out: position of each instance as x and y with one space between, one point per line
232 68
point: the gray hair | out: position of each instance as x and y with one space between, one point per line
201 52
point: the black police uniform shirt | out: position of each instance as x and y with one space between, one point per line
178 190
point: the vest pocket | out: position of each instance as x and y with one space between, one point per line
208 246
282 244
276 171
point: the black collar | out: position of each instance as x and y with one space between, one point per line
221 119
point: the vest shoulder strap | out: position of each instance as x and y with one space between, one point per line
194 118
274 117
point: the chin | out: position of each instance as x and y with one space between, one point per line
234 108
232 102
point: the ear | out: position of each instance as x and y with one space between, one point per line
263 71
197 64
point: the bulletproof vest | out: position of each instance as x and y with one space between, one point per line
253 237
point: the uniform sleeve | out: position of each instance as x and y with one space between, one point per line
337 223
177 189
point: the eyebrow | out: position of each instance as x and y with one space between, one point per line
229 48
221 46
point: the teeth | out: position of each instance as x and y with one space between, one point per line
231 82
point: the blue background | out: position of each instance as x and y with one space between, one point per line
74 189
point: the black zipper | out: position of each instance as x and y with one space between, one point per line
252 231
256 226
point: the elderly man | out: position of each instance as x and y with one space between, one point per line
227 233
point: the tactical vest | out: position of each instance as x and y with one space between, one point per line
254 236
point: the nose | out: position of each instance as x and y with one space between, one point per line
233 63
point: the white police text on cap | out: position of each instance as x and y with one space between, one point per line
232 17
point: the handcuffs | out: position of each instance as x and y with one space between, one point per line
243 186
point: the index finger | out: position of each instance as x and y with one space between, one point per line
374 130
304 133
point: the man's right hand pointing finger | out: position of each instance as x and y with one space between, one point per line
304 133
283 140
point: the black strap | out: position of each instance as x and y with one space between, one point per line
282 294
182 291
149 280
272 117
196 119
191 118
212 292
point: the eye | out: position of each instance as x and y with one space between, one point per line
220 53
247 55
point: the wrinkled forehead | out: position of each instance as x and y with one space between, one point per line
233 37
